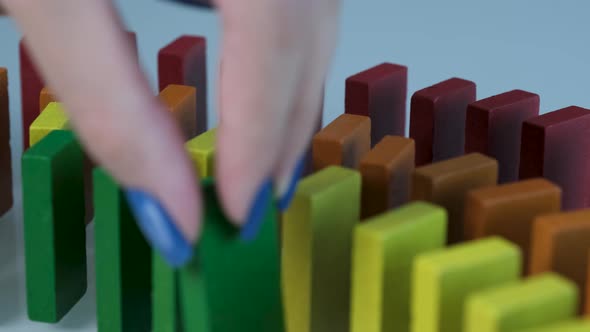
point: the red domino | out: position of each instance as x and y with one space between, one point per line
31 86
493 127
380 93
437 119
184 62
555 146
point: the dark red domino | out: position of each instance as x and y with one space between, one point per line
437 119
380 93
555 146
493 127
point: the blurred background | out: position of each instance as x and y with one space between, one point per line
541 46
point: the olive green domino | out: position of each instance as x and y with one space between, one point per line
567 326
54 226
122 262
443 279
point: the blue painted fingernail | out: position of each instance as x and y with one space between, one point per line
158 228
285 201
257 211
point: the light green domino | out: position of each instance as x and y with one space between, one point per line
384 249
535 302
202 151
317 244
569 326
52 118
443 279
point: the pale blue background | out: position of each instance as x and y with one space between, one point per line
537 45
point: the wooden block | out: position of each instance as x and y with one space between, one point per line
560 243
52 118
446 183
6 198
46 98
554 146
384 249
31 85
317 249
493 127
437 119
387 172
534 302
184 62
54 229
509 210
443 280
202 151
380 93
122 262
579 325
180 101
232 284
343 142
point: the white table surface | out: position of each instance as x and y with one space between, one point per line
537 45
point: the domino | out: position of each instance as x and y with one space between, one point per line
232 284
534 302
384 249
379 93
51 119
202 151
6 197
437 119
54 229
184 62
122 262
554 146
447 183
509 210
493 127
180 101
317 250
31 85
387 171
343 142
580 325
46 98
443 280
560 242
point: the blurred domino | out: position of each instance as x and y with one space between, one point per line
6 198
180 101
52 118
579 325
202 151
31 85
46 98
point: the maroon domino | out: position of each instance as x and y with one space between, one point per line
437 119
493 127
379 93
31 84
184 62
555 146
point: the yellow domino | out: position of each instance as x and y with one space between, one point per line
317 244
202 151
52 118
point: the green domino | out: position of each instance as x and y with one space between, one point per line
568 326
443 279
384 249
166 309
317 250
54 227
231 284
123 262
535 302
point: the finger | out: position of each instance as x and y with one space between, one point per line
262 51
309 101
82 51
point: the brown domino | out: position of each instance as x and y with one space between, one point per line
6 198
45 98
437 119
560 243
447 183
380 93
387 172
555 146
342 143
181 102
509 210
493 127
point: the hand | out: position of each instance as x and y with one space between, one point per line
274 61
